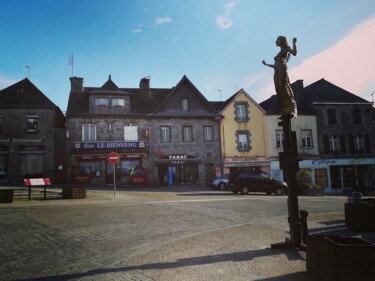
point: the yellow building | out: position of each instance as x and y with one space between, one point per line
243 134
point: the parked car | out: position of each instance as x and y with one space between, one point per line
255 181
220 183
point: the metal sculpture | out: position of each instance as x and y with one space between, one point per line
283 89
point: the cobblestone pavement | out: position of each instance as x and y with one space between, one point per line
105 237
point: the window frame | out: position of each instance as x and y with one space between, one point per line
32 123
279 138
187 133
241 111
165 134
306 139
101 104
334 144
118 105
240 146
91 135
185 104
208 136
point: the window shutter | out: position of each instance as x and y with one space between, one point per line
326 144
367 143
351 144
342 144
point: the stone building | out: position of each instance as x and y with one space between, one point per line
32 135
157 132
335 132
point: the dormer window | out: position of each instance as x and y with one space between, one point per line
101 102
118 102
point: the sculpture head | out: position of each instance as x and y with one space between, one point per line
281 41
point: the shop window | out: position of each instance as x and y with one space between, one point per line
306 138
118 102
187 133
241 111
185 106
32 123
1 124
208 133
279 139
131 168
89 132
101 102
243 141
3 166
131 133
90 168
165 134
32 165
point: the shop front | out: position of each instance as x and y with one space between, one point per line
246 163
338 176
90 164
178 169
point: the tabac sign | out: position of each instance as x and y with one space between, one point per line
110 145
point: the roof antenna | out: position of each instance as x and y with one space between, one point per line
71 62
219 93
28 69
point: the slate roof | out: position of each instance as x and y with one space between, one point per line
79 101
24 94
321 91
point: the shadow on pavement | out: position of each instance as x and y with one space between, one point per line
204 260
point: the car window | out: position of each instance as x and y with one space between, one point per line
266 176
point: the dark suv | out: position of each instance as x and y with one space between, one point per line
255 181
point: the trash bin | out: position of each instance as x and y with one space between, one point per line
354 197
74 192
6 195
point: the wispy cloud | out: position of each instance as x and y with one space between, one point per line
163 20
224 20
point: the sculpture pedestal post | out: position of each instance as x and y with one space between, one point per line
289 164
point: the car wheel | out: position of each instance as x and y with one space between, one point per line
244 190
222 186
279 191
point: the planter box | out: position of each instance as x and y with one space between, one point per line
347 259
360 217
6 195
74 192
313 245
337 258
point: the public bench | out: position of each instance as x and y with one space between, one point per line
37 182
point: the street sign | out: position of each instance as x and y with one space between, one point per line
113 158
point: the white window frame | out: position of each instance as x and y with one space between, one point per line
165 134
89 132
359 143
306 138
241 112
334 144
243 142
208 133
279 136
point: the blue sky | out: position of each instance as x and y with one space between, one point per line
218 44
